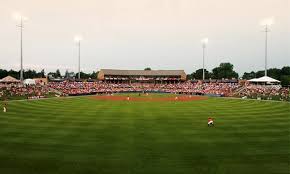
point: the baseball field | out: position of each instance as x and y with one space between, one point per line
85 135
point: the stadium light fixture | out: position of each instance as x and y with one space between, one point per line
267 22
78 40
204 42
20 24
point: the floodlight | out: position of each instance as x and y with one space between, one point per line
268 21
78 38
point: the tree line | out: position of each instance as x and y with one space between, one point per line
29 74
71 74
26 74
223 71
226 71
282 74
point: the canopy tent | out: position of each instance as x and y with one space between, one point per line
264 79
9 79
29 82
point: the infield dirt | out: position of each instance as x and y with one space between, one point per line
149 98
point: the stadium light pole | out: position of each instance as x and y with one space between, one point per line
204 43
78 40
267 23
20 19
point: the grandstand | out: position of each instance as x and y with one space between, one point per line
142 76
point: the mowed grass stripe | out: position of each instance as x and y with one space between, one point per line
82 135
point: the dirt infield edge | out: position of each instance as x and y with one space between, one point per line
182 98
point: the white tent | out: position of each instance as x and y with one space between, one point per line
264 79
29 82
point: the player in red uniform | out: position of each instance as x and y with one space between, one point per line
210 122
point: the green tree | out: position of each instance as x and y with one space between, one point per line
94 75
260 74
51 74
66 74
30 74
3 73
250 75
42 73
83 75
285 80
198 74
274 73
147 69
285 70
224 70
15 74
189 76
57 73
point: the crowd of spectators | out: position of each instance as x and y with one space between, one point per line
268 92
65 88
24 91
78 88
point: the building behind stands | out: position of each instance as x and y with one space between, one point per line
142 76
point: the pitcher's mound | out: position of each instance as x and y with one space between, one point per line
150 98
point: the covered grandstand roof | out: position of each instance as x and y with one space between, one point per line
264 79
143 72
9 79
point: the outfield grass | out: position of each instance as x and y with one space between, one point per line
9 97
81 135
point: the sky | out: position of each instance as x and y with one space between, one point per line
134 34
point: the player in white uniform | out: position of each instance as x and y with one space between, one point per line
4 107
